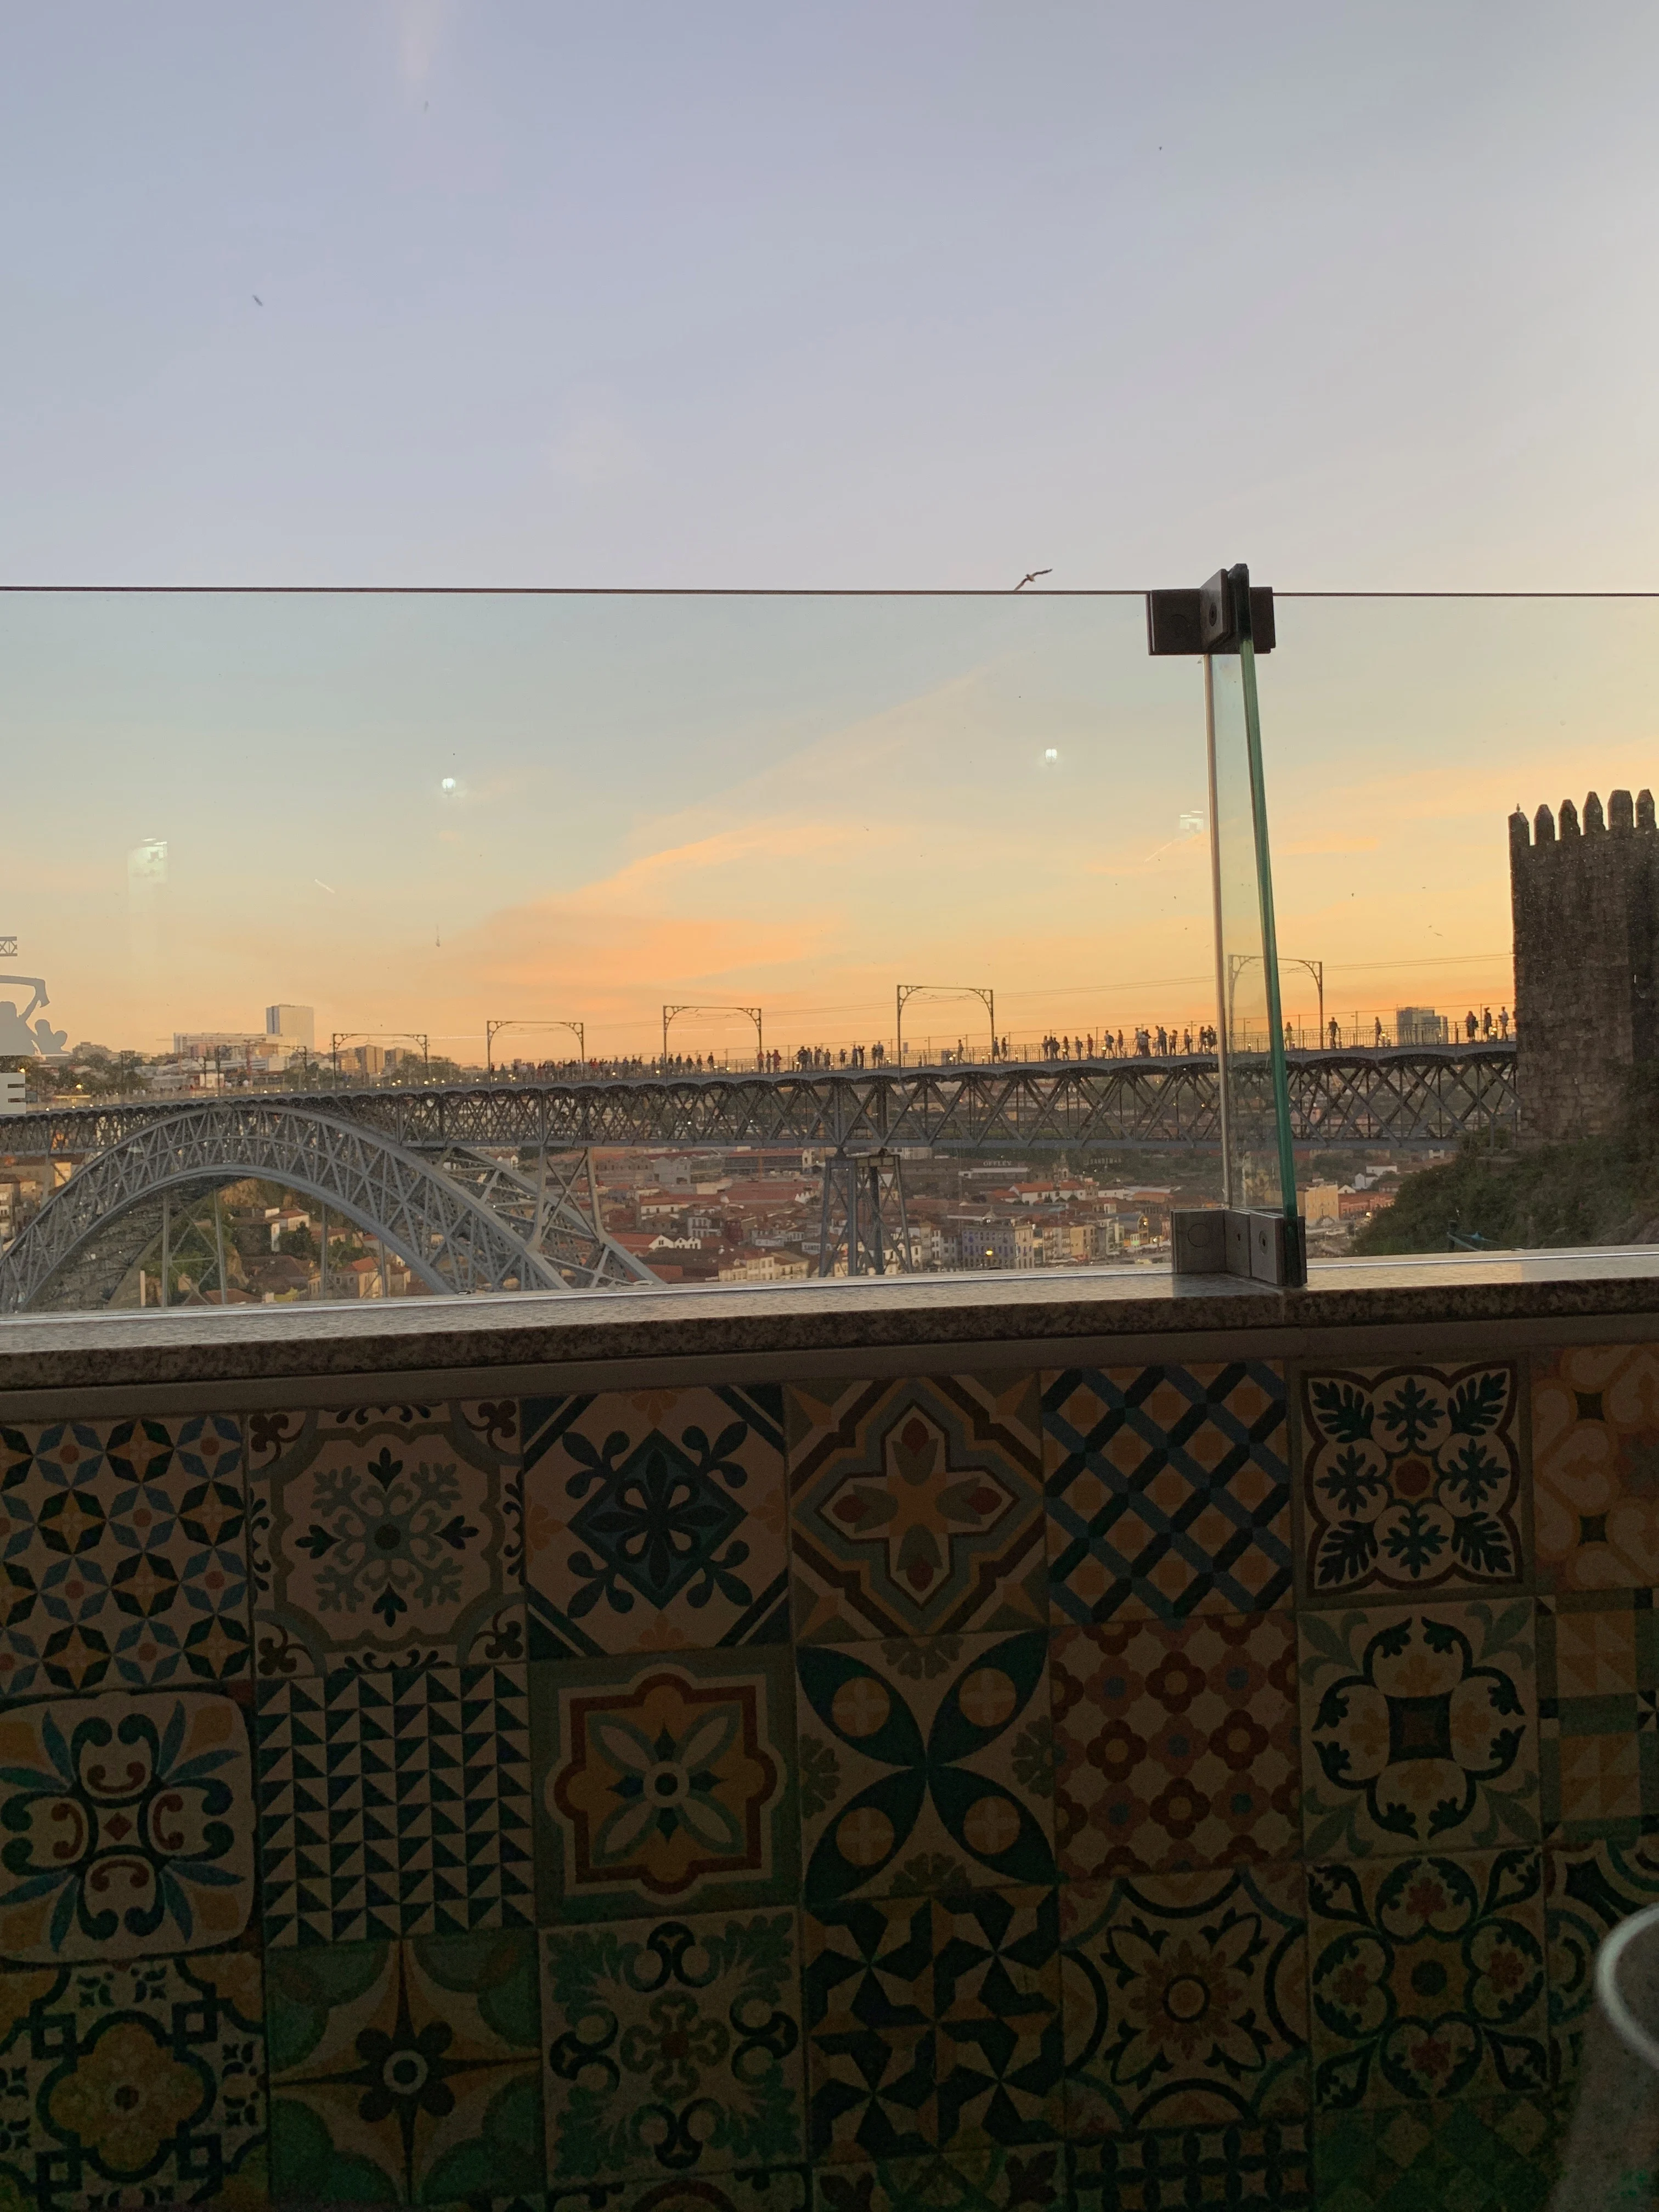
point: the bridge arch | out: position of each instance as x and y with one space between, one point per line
90 1233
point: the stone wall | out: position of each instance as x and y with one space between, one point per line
1585 901
1142 1782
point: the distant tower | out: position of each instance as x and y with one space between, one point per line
1586 908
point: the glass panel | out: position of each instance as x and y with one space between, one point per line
1258 1173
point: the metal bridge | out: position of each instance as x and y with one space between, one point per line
487 1187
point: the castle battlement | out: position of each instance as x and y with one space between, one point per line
1585 895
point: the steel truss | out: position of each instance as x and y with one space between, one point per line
461 1224
862 1217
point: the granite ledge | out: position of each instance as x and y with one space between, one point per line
267 1344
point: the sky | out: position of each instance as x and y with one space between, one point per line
917 296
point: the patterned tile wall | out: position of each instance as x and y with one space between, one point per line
1137 1787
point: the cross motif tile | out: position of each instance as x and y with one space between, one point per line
140 2081
933 2024
1186 2001
926 1764
665 1783
673 2046
129 1823
1598 1674
1428 1979
1419 1727
917 1506
655 1521
1268 2163
122 1554
1411 1480
1169 1493
386 1537
394 1804
1596 1469
406 2072
1590 1889
1177 1745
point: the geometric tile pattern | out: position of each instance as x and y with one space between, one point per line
1169 1492
933 2024
131 1825
998 1793
394 1804
917 1506
143 2082
1186 2001
385 1537
407 2072
673 2046
655 1521
123 1559
926 1764
1598 1714
1419 1728
1410 1478
1175 1745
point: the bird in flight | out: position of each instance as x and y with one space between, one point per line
1031 576
258 301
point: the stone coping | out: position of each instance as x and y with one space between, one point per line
1047 1317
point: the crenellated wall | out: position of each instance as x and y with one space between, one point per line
1585 905
1179 1755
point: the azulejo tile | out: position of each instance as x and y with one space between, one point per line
927 1764
128 1823
1419 1728
1428 1979
122 1554
917 1506
989 2179
1410 1478
1598 1713
1591 1890
665 1782
933 2024
394 1804
767 2189
1266 2162
136 2082
386 1537
674 2046
408 2072
1491 2154
655 1521
1595 1467
1169 1492
1186 2001
1176 1747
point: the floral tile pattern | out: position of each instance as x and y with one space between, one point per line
1493 2154
933 2024
407 2072
655 1521
1186 2002
1428 1979
1590 1890
1169 1492
926 1764
386 1537
1410 1478
128 1824
394 1804
1176 1747
665 1781
1598 1707
917 1507
122 1554
1596 1469
673 2046
1265 2163
1419 1728
988 2180
140 2083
